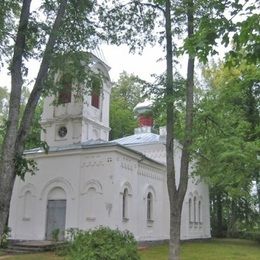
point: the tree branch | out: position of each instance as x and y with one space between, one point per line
184 172
39 82
154 6
171 182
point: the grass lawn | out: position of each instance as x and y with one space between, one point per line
215 249
41 256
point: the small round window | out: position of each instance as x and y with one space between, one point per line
62 131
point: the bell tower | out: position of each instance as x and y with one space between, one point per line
78 120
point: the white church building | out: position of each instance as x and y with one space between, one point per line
85 181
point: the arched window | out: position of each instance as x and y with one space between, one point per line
199 212
194 208
64 95
124 204
149 206
190 212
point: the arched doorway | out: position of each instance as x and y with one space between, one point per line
56 214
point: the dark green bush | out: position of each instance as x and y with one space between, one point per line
252 236
103 244
4 239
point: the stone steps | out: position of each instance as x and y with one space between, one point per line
22 247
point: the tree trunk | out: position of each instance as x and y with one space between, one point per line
7 168
219 231
231 229
14 139
177 194
257 181
175 232
174 243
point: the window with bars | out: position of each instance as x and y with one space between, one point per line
199 212
195 209
149 206
190 208
124 204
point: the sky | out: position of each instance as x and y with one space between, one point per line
119 59
143 65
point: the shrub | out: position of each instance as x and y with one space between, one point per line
55 234
103 243
252 236
4 238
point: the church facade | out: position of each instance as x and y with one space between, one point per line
86 181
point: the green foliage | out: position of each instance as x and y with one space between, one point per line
157 91
247 39
125 95
103 243
24 166
4 96
227 123
4 238
34 138
134 23
55 234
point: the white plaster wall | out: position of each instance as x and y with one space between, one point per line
75 172
152 180
107 170
125 177
97 171
53 117
156 151
55 171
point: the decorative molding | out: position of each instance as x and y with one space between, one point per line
109 159
126 184
126 163
93 161
92 184
150 173
28 187
149 188
58 182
